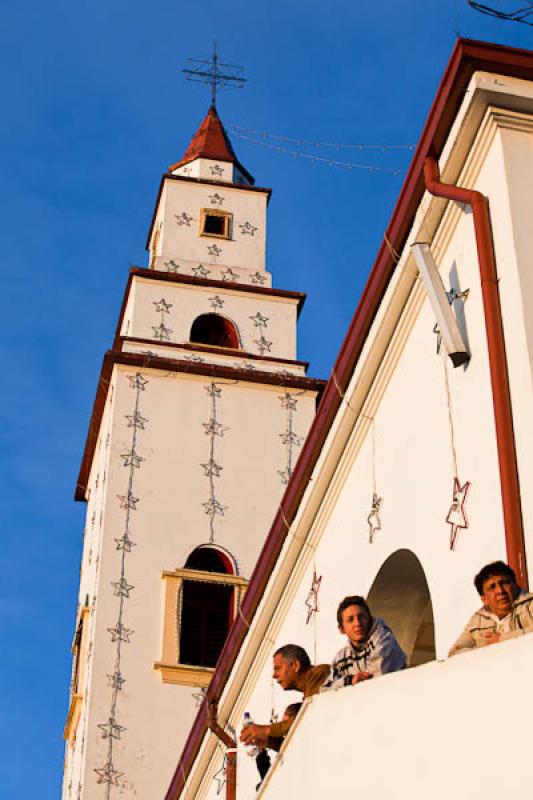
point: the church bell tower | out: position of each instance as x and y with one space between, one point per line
199 416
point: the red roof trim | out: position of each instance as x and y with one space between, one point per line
467 57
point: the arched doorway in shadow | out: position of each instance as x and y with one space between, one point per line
215 330
400 596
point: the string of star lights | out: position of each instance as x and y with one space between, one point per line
374 517
212 469
286 145
161 332
289 437
111 730
520 13
456 517
261 324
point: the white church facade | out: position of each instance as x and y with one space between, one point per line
227 515
415 473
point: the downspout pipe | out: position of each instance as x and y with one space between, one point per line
231 752
499 373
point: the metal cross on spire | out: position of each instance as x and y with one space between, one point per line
214 72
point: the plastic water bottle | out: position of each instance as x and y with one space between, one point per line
251 750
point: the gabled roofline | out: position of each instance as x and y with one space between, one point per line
468 56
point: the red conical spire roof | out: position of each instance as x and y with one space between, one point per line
210 141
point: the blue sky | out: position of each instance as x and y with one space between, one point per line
95 108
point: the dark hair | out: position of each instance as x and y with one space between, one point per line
352 600
293 652
491 571
292 710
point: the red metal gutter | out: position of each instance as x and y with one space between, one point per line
467 57
499 373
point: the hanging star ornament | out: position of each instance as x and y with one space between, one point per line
200 271
137 381
136 420
258 277
122 587
259 320
456 516
312 598
211 468
248 228
128 500
216 302
288 401
229 276
125 543
220 777
162 307
214 428
374 517
172 266
115 680
111 729
107 774
214 250
132 459
120 633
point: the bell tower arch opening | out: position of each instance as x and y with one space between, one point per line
400 595
206 608
215 330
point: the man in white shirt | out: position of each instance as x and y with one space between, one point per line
507 610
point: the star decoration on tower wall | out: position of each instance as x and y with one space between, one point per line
374 517
212 507
263 345
115 680
216 302
136 420
212 468
216 199
161 306
258 278
137 381
229 276
128 501
125 543
312 598
107 774
200 271
111 729
248 228
456 516
132 458
214 428
259 320
216 169
214 250
194 358
161 332
172 266
120 633
122 587
183 219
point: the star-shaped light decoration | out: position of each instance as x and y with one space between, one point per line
136 420
220 776
211 468
183 219
111 729
284 474
312 598
194 358
137 381
199 696
248 228
229 276
200 271
291 438
259 320
172 266
263 345
214 428
120 633
107 774
456 516
374 517
216 302
216 169
128 501
212 507
186 170
162 307
288 401
213 390
258 278
214 250
115 680
122 587
125 543
132 458
216 199
161 332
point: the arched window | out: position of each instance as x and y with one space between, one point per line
215 330
206 608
